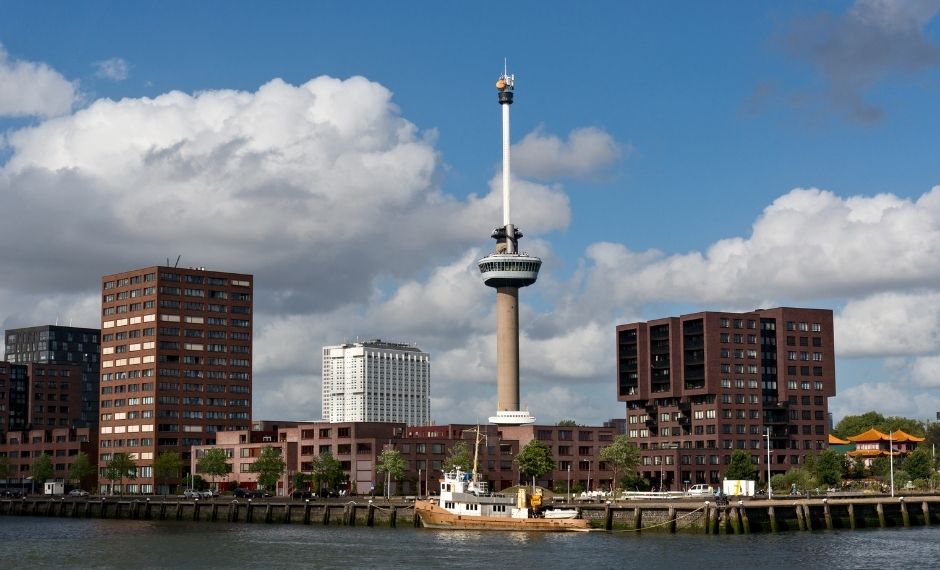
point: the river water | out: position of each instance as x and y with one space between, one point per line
33 542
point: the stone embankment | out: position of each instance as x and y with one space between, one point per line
703 517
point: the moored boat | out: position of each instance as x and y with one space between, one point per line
466 503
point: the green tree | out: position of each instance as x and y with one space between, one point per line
269 466
214 463
932 435
326 469
854 425
741 466
120 467
535 460
909 425
881 467
301 479
829 467
802 478
167 465
622 457
193 482
919 463
458 456
393 465
6 468
568 423
856 467
81 468
42 469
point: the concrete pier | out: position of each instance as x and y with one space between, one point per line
742 517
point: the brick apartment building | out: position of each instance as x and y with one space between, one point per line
62 445
699 386
358 445
55 344
176 364
37 396
40 407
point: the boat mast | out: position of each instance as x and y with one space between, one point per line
476 453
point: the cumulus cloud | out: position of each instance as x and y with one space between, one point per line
808 244
873 41
33 89
887 398
334 201
890 324
586 152
319 188
323 191
115 69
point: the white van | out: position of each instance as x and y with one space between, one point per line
699 490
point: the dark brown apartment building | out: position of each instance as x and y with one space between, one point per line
699 386
39 396
64 345
176 362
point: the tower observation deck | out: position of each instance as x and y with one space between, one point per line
506 270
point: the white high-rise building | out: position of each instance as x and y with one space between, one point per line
376 381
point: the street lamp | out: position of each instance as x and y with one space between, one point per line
569 482
770 492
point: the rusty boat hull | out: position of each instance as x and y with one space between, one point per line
434 516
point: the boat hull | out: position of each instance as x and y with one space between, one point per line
433 516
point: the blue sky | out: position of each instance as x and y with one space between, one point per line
700 121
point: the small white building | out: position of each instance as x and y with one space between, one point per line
376 381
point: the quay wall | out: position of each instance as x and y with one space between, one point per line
701 517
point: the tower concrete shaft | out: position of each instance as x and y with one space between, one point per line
507 348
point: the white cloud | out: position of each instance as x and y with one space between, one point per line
332 199
114 68
886 398
809 244
33 89
323 191
889 324
586 152
873 41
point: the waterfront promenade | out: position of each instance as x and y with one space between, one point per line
699 516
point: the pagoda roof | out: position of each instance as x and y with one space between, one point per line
897 436
870 453
833 440
870 435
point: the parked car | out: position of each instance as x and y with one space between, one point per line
250 493
191 494
78 493
699 490
12 493
208 494
303 495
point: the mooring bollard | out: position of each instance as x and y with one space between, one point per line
745 522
